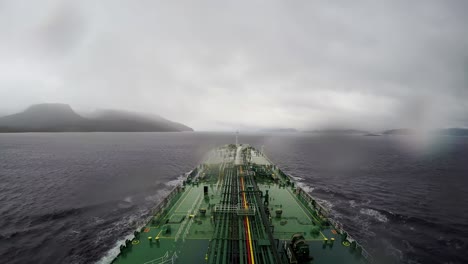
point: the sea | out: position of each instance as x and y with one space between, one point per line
73 197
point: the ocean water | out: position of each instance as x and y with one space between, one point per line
71 197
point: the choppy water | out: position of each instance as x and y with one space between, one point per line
70 197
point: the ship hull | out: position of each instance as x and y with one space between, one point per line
238 207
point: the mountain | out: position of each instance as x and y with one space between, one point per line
371 135
43 117
443 131
62 118
399 131
131 121
453 131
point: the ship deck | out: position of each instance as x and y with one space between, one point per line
226 212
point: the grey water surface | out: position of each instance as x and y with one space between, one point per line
70 197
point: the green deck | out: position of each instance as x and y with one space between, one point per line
180 233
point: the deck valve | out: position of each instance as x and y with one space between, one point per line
278 212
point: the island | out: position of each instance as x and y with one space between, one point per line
58 117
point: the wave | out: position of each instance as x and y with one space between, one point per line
307 188
123 225
55 215
296 178
327 204
375 214
177 181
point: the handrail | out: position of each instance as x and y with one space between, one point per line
164 259
238 209
159 260
325 212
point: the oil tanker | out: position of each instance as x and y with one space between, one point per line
239 207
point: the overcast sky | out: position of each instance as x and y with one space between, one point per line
221 65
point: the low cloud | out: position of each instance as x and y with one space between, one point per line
222 66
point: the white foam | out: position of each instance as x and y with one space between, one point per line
376 214
296 178
327 204
126 203
306 188
176 181
97 220
114 252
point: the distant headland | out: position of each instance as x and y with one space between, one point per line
62 118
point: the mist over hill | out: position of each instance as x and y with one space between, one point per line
279 130
396 131
454 131
337 131
62 118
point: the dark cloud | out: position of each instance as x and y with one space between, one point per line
217 65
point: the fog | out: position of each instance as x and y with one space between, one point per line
219 65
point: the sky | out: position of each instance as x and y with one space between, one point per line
242 65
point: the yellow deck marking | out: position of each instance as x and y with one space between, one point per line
322 235
247 220
157 237
250 241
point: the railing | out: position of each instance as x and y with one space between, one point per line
161 205
195 205
312 203
337 225
164 259
179 232
366 255
191 211
220 208
246 211
188 223
237 209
